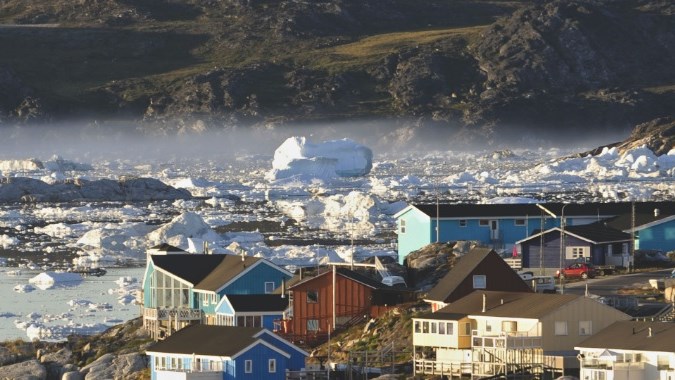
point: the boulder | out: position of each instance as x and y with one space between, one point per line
109 366
72 375
28 370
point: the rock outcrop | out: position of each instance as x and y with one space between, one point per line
28 370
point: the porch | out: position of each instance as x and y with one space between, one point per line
161 322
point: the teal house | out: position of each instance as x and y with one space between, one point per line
654 228
500 226
224 353
184 289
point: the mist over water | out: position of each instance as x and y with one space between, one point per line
128 141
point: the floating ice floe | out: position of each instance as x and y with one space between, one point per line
301 159
6 241
46 280
24 288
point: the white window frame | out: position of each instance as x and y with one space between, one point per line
484 223
449 328
313 323
272 366
577 252
401 226
271 290
248 366
479 281
560 328
205 299
585 328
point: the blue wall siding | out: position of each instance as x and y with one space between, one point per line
253 282
418 232
225 309
297 360
661 237
268 321
260 354
421 230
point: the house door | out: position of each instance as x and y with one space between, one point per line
494 229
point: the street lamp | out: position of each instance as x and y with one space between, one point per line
562 243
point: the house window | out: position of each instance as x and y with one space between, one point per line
313 325
425 327
418 326
272 365
433 327
484 223
466 328
450 328
205 299
624 248
312 296
462 222
488 327
248 366
609 249
585 328
401 226
241 321
577 252
479 281
441 328
269 287
519 222
561 328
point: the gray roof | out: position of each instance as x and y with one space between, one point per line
350 274
595 232
509 304
207 340
633 335
205 272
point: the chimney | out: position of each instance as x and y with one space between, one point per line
283 288
649 334
484 301
657 212
243 255
501 301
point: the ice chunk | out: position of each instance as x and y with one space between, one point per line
182 227
46 280
298 157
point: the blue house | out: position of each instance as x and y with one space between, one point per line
499 226
251 310
224 353
182 289
654 228
595 243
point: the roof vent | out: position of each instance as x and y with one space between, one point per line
657 212
484 302
502 301
649 334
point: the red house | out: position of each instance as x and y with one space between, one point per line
336 298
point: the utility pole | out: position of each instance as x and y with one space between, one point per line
631 263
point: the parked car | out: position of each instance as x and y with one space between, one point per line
579 270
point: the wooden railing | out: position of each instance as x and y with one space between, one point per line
180 314
431 367
506 341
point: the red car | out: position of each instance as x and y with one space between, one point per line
580 270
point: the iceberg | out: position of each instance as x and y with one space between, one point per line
299 157
46 280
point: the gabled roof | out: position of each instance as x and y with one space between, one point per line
509 304
204 272
257 302
464 267
350 274
207 340
595 233
519 210
633 335
643 220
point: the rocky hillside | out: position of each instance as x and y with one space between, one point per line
472 68
114 354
